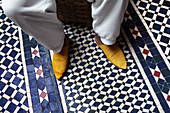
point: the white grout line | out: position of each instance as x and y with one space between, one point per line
60 88
151 35
25 71
143 73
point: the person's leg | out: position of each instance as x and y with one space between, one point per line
39 19
107 18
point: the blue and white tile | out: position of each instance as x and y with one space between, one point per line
91 83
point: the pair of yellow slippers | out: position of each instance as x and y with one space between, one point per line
112 52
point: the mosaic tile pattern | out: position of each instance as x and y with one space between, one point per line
85 81
156 13
44 93
93 84
13 96
152 62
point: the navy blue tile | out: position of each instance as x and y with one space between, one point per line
145 35
18 96
3 101
166 73
167 79
167 30
140 56
153 66
144 64
153 8
35 100
27 49
50 89
36 59
52 97
19 58
28 55
29 61
45 66
22 111
156 88
2 85
148 106
48 81
160 97
37 108
26 42
26 102
46 110
8 76
9 91
41 86
31 75
162 65
41 80
4 26
18 46
165 90
6 62
45 103
142 29
164 105
34 91
15 66
13 53
11 108
151 45
32 83
30 69
53 106
16 81
44 60
47 73
158 58
154 51
161 81
148 40
5 49
60 108
164 39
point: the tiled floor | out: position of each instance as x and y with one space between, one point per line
91 84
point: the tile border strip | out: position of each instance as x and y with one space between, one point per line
25 71
61 92
141 70
151 35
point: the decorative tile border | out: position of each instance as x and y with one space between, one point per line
41 83
151 12
156 72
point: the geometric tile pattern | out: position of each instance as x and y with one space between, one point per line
42 84
156 13
13 96
93 84
152 62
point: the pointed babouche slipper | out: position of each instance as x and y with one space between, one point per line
60 61
114 55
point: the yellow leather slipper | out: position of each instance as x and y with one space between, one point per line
114 55
60 62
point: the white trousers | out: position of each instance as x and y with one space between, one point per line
38 18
